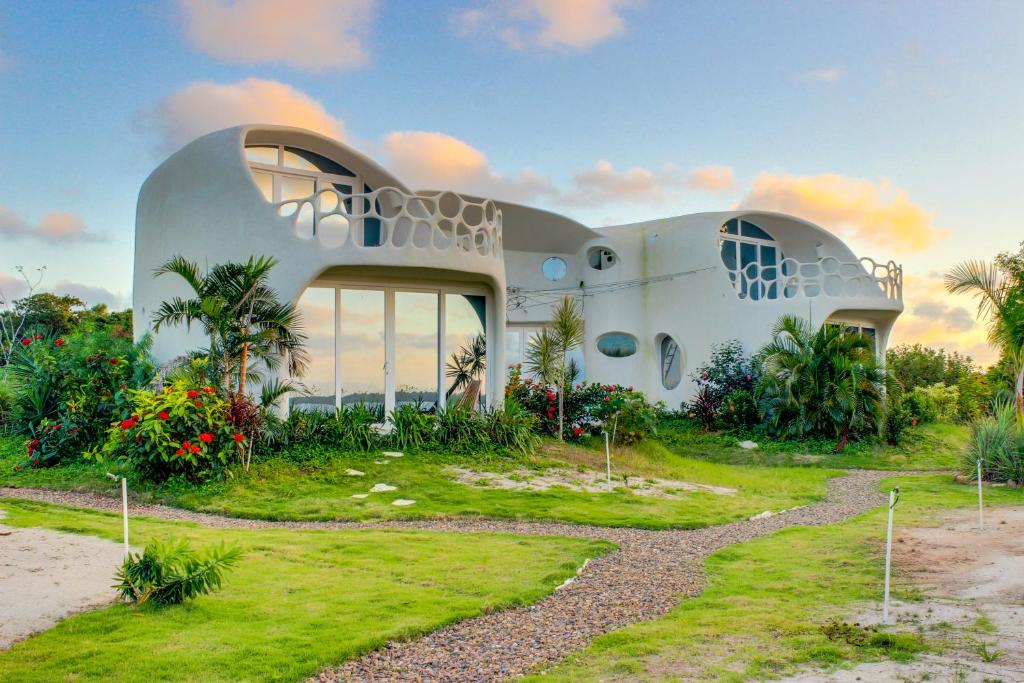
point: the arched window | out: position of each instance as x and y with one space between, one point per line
752 257
290 174
671 362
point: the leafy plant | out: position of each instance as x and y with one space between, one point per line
704 408
461 430
853 634
738 409
547 351
898 418
171 573
511 427
411 428
467 364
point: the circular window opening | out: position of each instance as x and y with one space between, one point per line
671 363
617 344
554 268
601 258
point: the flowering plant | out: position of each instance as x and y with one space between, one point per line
182 430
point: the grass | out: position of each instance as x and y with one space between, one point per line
936 446
311 484
296 602
766 601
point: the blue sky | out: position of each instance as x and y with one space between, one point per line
896 124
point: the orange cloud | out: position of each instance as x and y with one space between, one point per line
204 107
573 24
315 35
878 214
56 226
714 178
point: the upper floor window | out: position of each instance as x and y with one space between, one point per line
289 174
753 259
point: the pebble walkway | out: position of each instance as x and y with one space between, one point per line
649 573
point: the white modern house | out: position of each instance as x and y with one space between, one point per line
392 280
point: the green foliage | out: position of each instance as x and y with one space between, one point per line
728 369
69 389
974 395
411 428
170 573
898 418
998 441
461 430
182 430
935 402
739 409
821 382
704 408
467 364
8 398
511 427
546 354
921 366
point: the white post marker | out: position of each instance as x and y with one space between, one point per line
981 512
894 497
124 509
608 460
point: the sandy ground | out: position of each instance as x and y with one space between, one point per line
973 585
589 481
48 575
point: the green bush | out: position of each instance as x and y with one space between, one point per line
511 427
461 430
998 441
935 403
70 389
181 430
898 418
411 429
728 370
171 573
975 394
739 410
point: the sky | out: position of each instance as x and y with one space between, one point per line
899 126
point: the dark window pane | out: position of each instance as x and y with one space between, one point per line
751 230
616 345
767 256
308 161
729 254
748 254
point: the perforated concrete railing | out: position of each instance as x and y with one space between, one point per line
825 277
390 217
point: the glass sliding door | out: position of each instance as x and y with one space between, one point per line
361 349
416 349
317 308
465 327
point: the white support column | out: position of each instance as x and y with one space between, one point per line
441 350
337 348
389 352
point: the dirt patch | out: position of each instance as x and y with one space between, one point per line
588 481
973 605
46 576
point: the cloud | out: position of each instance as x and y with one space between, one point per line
53 227
11 288
431 160
955 318
314 35
713 178
878 214
90 294
601 184
567 24
203 107
827 75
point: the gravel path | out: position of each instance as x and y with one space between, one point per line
644 579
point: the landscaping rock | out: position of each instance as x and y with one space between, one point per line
381 488
354 473
360 495
401 502
748 444
392 454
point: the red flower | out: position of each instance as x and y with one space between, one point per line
57 426
209 390
196 449
630 389
113 361
17 468
192 393
26 342
127 424
163 415
239 438
198 404
576 431
180 451
138 438
187 444
35 442
206 437
59 342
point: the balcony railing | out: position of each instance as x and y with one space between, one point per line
390 217
825 277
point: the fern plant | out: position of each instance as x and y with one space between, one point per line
171 573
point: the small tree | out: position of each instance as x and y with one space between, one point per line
14 320
546 355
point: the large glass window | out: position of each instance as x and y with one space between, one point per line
416 337
362 370
317 309
751 256
465 328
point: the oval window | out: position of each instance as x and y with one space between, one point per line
671 363
601 258
554 268
616 344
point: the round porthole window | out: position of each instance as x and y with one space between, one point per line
616 344
554 268
601 258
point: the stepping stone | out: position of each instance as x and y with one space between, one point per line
402 502
360 496
392 454
354 473
380 462
381 488
748 444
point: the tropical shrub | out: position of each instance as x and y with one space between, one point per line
171 573
821 382
943 399
181 430
461 430
8 397
511 427
547 353
411 429
975 394
70 389
729 368
921 406
898 418
998 441
704 408
739 409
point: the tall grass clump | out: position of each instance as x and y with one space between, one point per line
998 441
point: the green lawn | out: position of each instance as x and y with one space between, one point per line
318 488
297 601
766 599
926 447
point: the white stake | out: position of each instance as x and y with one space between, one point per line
124 509
981 513
608 459
893 497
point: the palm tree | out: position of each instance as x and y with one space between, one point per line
240 314
1000 296
467 364
547 351
824 381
